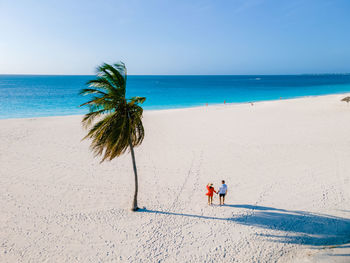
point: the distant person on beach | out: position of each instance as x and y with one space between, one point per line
210 193
222 192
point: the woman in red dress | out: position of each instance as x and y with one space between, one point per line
210 193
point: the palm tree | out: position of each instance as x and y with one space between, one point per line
115 122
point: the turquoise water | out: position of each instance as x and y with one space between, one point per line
23 96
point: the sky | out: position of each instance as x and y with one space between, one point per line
164 37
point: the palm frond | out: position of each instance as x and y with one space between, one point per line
114 74
119 119
138 134
95 100
140 100
90 117
102 83
88 91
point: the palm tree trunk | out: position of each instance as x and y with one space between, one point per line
134 206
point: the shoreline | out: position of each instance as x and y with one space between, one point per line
196 107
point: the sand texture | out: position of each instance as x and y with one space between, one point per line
286 164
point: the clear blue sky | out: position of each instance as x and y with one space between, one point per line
175 37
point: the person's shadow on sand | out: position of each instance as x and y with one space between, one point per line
300 227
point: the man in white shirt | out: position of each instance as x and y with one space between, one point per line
222 192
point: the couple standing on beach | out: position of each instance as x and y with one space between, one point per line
222 192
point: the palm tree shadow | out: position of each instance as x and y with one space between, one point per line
181 214
298 227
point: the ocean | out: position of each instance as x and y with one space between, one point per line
26 96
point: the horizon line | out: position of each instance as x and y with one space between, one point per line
295 74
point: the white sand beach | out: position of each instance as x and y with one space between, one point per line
286 164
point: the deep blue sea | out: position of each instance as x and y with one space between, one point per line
23 96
